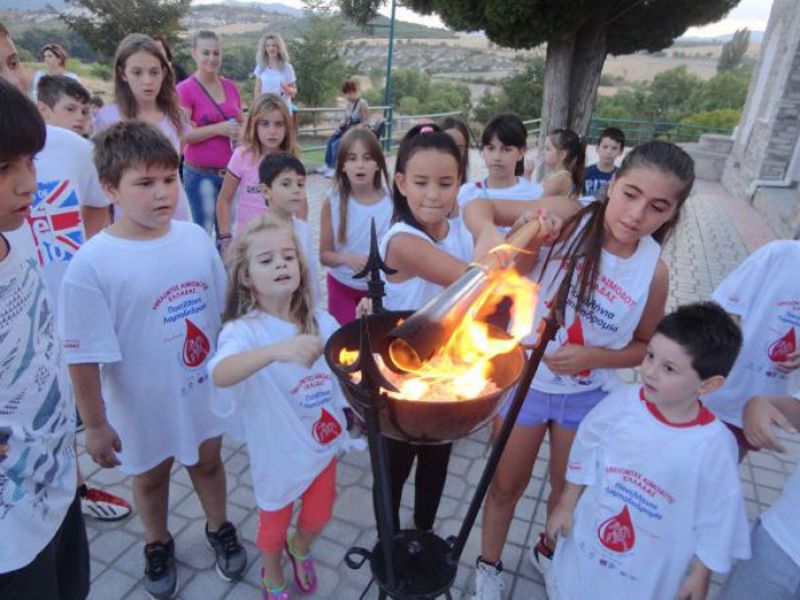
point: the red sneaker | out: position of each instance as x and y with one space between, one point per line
103 506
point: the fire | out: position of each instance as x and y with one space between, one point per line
462 368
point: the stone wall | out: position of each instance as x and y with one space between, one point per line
766 138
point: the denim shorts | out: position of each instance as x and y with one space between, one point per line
568 410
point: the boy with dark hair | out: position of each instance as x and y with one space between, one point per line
151 290
45 552
654 475
283 183
610 145
64 102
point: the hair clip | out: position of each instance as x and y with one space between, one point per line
426 129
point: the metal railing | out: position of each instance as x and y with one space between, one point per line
316 125
638 131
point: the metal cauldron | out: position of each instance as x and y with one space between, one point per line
414 420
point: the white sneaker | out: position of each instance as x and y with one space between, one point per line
329 172
489 584
543 564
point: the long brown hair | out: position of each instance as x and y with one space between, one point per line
588 244
575 154
342 182
239 298
259 106
167 98
461 126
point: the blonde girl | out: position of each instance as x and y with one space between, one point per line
359 195
564 163
274 74
272 379
268 130
144 90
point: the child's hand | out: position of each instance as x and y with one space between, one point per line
364 307
549 226
102 444
304 349
559 523
759 418
695 586
569 359
229 129
356 262
791 363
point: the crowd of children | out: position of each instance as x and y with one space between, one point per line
173 341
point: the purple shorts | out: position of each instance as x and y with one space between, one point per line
568 410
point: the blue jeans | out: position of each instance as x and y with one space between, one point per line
332 149
202 188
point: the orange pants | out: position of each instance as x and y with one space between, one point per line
315 511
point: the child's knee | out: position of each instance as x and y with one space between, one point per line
506 492
209 465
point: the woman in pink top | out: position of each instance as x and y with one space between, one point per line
215 110
144 90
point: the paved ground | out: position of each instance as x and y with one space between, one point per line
716 233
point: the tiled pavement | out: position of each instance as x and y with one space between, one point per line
715 234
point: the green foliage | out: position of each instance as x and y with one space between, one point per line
317 60
632 26
238 62
109 21
678 96
724 118
521 94
101 71
733 51
413 92
34 38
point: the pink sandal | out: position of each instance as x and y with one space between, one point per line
306 563
269 593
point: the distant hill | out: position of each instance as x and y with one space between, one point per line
756 37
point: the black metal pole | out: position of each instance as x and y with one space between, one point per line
552 323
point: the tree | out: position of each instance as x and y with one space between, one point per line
520 93
109 21
733 51
579 35
316 57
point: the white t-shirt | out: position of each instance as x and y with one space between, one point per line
524 189
66 180
608 321
656 495
359 217
37 422
782 520
291 416
304 236
149 313
413 293
271 80
109 115
765 292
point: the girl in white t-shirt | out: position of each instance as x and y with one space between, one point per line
617 297
271 377
503 144
274 74
358 197
144 90
564 163
268 130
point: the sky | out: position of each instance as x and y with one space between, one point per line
748 13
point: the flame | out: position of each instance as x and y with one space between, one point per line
462 368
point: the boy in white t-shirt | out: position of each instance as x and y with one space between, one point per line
774 571
283 183
140 306
654 476
764 294
44 552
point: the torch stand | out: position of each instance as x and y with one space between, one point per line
414 564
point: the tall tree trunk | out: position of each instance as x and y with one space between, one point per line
555 100
587 64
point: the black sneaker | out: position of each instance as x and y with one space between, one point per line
160 576
231 555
